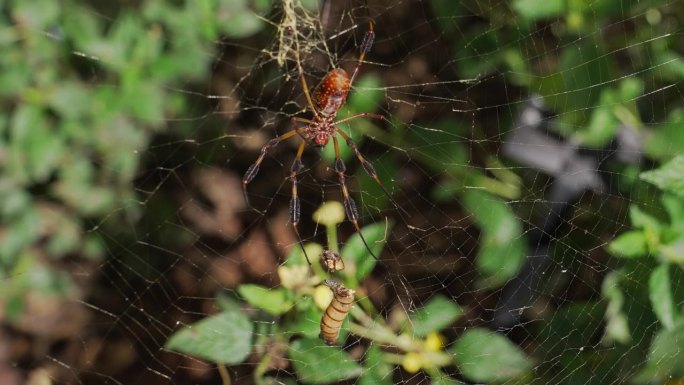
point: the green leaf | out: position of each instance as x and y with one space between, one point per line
356 254
70 100
534 10
441 145
484 356
81 25
492 215
667 139
67 237
39 278
576 84
630 244
225 338
146 102
448 14
643 220
296 256
84 198
669 177
273 301
665 357
675 209
372 194
479 51
569 328
602 123
502 246
661 296
20 233
673 251
438 313
43 153
617 325
36 15
630 88
317 363
308 319
228 301
670 65
366 94
375 370
237 23
499 259
115 49
444 379
346 153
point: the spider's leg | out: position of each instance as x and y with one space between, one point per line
254 167
305 87
294 201
303 129
370 170
360 115
302 120
349 204
366 45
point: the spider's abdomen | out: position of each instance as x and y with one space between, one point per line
331 93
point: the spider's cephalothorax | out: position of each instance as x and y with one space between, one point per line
324 102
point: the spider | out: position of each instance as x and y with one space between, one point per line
324 101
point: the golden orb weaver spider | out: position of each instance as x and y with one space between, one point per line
325 101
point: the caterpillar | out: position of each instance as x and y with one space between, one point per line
332 260
335 312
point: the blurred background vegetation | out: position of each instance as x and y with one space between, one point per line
126 126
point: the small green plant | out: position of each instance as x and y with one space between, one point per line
654 250
295 309
82 97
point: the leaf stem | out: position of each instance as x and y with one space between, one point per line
376 331
223 372
331 235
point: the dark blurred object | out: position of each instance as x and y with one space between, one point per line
575 170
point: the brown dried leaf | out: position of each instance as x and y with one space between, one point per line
51 317
277 350
256 255
10 375
197 369
282 234
183 279
226 270
224 191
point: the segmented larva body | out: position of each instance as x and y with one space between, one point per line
331 323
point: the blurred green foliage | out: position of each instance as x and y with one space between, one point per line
657 245
81 96
600 66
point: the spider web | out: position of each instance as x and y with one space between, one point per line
512 149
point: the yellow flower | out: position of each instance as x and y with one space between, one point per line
434 342
413 362
294 276
322 296
329 214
